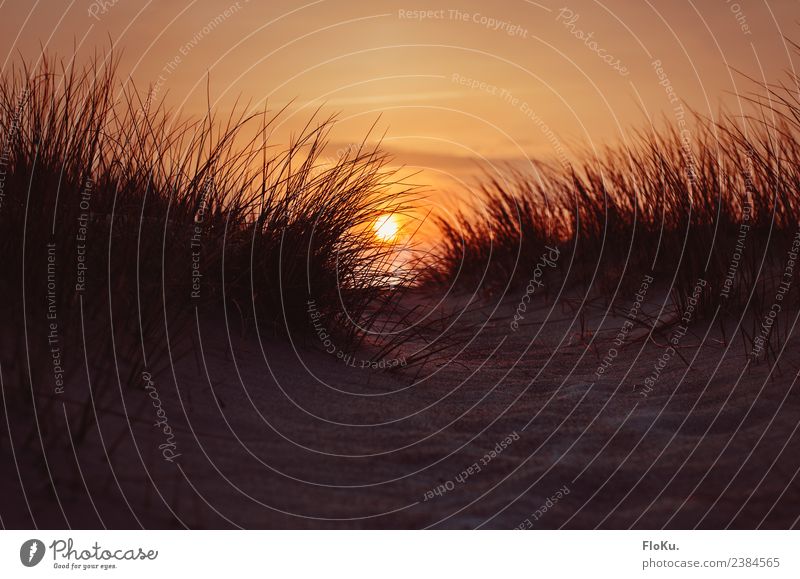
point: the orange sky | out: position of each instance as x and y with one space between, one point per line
452 82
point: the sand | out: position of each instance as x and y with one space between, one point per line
510 429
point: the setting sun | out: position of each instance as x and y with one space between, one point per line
386 227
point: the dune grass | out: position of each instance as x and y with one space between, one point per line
122 224
721 204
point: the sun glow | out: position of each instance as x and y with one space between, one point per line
386 227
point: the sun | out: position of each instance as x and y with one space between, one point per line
386 227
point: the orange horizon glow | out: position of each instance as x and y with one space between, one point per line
456 88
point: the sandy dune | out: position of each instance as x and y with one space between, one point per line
514 430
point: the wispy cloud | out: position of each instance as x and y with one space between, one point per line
382 99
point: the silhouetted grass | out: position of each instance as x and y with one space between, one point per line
122 223
722 205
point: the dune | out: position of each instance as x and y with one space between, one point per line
516 430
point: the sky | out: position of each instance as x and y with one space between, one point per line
454 86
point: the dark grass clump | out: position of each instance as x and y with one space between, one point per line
721 205
122 224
